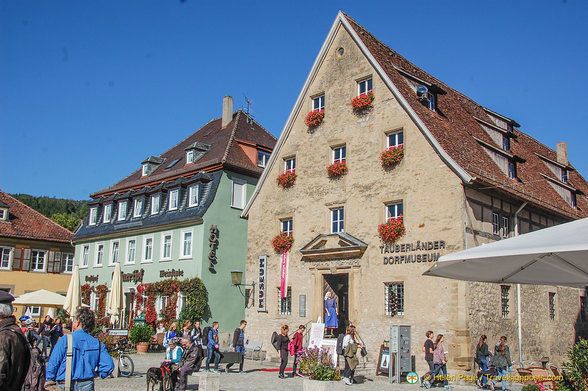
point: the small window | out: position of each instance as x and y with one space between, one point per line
186 244
290 164
131 250
285 303
193 195
505 300
174 199
92 218
495 224
138 207
395 139
318 103
67 263
431 102
564 175
107 213
394 298
122 210
337 220
114 257
148 250
573 201
3 214
99 254
166 246
339 154
190 156
5 255
364 86
394 211
512 170
286 226
506 143
155 204
238 194
34 311
262 158
172 163
552 306
145 169
85 256
504 227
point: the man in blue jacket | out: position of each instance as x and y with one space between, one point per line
212 348
90 358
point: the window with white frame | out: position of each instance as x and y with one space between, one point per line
138 207
5 257
155 205
364 86
286 226
145 169
114 252
238 194
148 249
85 256
92 218
505 300
504 227
67 261
181 304
394 297
107 213
38 260
193 195
190 156
94 301
337 220
34 311
166 246
495 223
395 139
290 164
122 210
285 303
262 158
174 197
99 254
394 210
339 154
131 250
186 244
163 300
318 103
3 213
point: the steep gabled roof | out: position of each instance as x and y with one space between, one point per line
454 130
223 150
26 223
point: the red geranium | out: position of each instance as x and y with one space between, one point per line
337 168
282 242
392 230
392 156
362 101
287 179
314 118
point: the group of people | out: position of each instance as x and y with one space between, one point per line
499 360
45 335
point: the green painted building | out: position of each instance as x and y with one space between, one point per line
178 216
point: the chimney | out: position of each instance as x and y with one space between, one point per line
227 110
562 153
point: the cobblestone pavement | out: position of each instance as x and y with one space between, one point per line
254 378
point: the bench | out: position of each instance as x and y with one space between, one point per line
207 381
254 347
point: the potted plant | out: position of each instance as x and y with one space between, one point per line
362 102
320 368
282 242
392 156
140 335
337 169
392 230
287 179
314 118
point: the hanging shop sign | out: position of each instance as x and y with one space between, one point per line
213 245
92 278
284 275
416 252
136 276
171 273
261 298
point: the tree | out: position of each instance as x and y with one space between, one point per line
67 221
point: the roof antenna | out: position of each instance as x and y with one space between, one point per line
248 110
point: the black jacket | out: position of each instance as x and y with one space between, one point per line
15 356
237 340
283 340
189 357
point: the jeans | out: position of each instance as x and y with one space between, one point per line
184 372
217 356
431 370
242 350
283 360
87 385
484 367
502 375
440 368
46 343
294 366
348 372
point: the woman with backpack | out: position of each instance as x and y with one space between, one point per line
482 354
296 345
350 348
283 350
502 360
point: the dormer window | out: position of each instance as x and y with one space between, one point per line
512 170
155 205
93 217
262 158
195 151
174 196
427 97
3 214
145 169
107 213
122 210
190 157
150 164
564 175
193 195
573 201
138 207
505 143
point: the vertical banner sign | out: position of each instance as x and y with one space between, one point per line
284 275
262 283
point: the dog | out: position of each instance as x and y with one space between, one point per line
164 375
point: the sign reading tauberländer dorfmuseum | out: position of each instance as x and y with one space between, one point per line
419 246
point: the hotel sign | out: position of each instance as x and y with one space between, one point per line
416 252
171 273
136 276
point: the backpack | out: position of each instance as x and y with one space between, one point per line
205 335
275 340
35 379
339 348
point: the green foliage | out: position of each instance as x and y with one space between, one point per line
140 333
67 221
67 213
576 370
317 364
196 299
531 387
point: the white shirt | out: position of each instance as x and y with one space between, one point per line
347 340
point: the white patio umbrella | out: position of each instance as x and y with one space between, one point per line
116 296
40 298
556 255
73 299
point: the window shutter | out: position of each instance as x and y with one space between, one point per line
51 262
17 259
26 260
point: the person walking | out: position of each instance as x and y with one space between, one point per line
45 333
56 333
440 362
350 347
212 348
239 344
170 334
283 350
15 356
502 360
482 354
187 362
428 348
90 357
197 340
297 345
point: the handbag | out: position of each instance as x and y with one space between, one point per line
363 351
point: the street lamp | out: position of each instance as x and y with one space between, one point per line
237 280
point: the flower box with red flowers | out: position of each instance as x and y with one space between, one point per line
392 156
314 118
282 242
392 230
287 179
362 101
337 169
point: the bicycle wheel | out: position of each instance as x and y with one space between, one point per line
125 365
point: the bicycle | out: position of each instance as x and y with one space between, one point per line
126 366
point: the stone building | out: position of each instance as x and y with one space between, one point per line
468 176
178 217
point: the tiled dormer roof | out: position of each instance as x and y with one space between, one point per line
223 151
26 223
456 126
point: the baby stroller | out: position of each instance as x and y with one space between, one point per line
489 374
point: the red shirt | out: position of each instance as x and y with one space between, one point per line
297 341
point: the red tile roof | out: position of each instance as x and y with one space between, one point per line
224 150
456 128
26 223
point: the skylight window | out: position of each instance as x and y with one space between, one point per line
172 164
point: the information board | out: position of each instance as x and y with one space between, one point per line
316 335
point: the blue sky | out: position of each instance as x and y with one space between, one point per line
88 89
